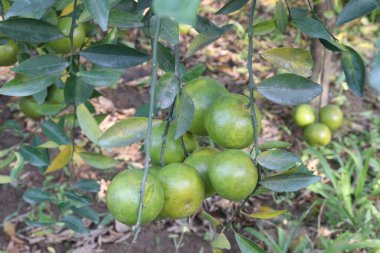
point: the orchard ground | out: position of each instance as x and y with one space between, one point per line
225 61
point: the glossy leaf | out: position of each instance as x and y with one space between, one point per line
169 30
40 96
35 196
166 61
332 45
182 11
61 160
266 213
166 91
296 60
29 8
125 132
18 166
75 224
297 12
87 185
231 6
5 179
99 78
30 30
312 27
88 124
48 108
34 156
20 88
98 161
355 9
265 27
289 89
55 132
118 19
278 159
42 65
184 115
289 182
77 91
274 144
114 56
221 242
354 70
246 245
281 16
99 10
87 212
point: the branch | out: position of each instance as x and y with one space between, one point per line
149 131
169 118
71 35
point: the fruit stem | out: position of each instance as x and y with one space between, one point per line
251 78
71 36
149 131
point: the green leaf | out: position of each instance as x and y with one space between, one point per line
5 179
281 16
62 159
20 87
166 91
119 19
99 77
99 10
87 212
246 245
296 60
4 162
374 78
30 30
266 214
297 12
166 60
274 144
75 224
19 165
29 8
184 115
35 196
278 159
354 70
87 185
78 199
194 72
77 91
125 132
88 124
206 216
289 89
182 11
169 30
289 182
42 65
265 27
40 96
205 39
114 56
332 45
98 161
221 242
355 9
34 156
55 132
312 27
231 6
47 108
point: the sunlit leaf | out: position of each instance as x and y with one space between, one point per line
26 87
206 216
278 159
100 77
18 166
289 182
274 144
265 27
61 160
42 65
98 161
88 124
221 242
266 213
5 179
281 16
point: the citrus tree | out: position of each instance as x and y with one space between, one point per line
66 50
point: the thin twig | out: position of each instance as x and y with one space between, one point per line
149 131
169 118
288 7
71 36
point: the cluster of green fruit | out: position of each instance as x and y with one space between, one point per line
178 189
318 134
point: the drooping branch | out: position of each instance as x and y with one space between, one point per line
149 130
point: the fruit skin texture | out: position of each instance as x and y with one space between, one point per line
63 45
201 160
174 151
27 106
203 91
123 195
8 53
228 121
317 135
183 189
303 115
55 95
331 116
233 174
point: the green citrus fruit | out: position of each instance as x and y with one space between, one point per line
317 135
228 121
55 95
8 52
154 170
63 45
331 116
28 106
123 196
203 92
183 189
174 151
303 115
233 174
200 160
